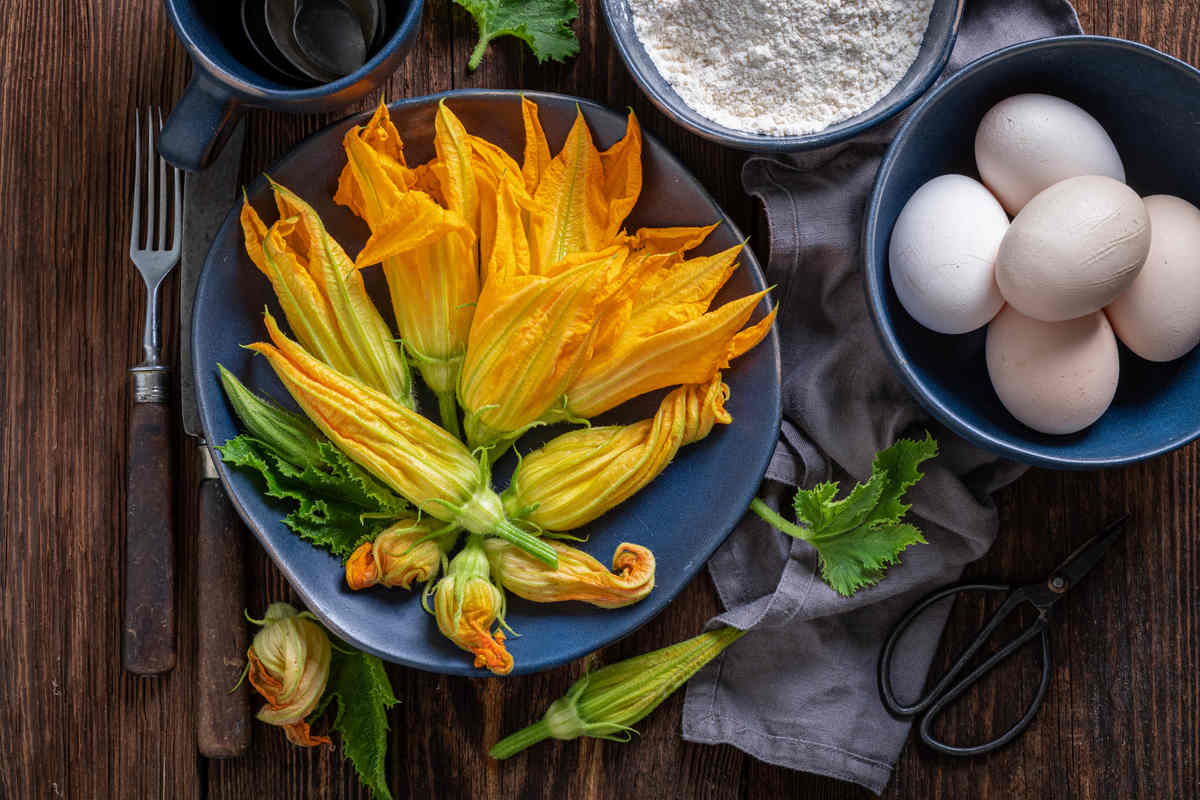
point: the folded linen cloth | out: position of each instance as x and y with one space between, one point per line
800 690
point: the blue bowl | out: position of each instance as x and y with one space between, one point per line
1150 105
931 59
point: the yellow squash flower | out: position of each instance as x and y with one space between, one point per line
577 577
530 337
664 337
425 464
579 475
409 551
399 556
428 251
466 605
324 297
289 666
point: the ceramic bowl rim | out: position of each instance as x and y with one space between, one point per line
764 143
410 23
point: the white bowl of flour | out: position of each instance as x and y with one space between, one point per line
783 75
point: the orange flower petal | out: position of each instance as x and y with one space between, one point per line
685 354
537 150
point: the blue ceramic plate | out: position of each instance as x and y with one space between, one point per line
682 516
931 59
1150 105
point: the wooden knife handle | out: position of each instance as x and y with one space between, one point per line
223 726
148 633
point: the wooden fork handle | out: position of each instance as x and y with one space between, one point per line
223 721
148 630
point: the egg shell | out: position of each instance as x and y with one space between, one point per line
1158 316
1055 377
1073 248
1030 142
942 251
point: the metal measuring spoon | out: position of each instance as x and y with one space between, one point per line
330 34
279 15
370 16
254 27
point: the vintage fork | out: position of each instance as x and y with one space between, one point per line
148 632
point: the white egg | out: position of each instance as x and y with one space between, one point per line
942 251
1158 316
1030 142
1073 248
1056 377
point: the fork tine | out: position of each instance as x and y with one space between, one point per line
177 231
135 228
151 200
162 189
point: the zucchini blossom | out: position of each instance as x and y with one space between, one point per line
409 551
663 334
579 475
428 251
577 577
531 336
422 462
323 296
289 666
605 704
466 604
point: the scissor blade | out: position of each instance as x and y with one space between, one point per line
1088 554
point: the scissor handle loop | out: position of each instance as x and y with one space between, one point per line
945 699
889 647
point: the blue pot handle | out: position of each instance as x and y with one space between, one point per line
199 124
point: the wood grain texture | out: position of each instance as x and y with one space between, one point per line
1121 718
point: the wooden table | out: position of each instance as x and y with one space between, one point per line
1121 718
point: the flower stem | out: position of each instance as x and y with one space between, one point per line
448 409
526 737
527 541
477 53
772 517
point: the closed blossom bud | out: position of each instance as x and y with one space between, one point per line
577 577
605 704
467 605
407 552
289 666
581 474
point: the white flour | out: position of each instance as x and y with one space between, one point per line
781 67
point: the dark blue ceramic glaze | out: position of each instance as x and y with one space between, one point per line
1150 105
682 516
222 84
935 51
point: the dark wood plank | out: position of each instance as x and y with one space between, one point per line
1121 718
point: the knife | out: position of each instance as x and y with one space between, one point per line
223 717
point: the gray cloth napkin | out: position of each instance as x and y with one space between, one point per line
800 690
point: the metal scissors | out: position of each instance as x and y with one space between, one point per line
1042 596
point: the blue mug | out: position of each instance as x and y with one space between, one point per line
223 86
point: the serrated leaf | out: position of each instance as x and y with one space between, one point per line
901 462
837 517
337 504
545 25
811 504
852 563
858 537
360 685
